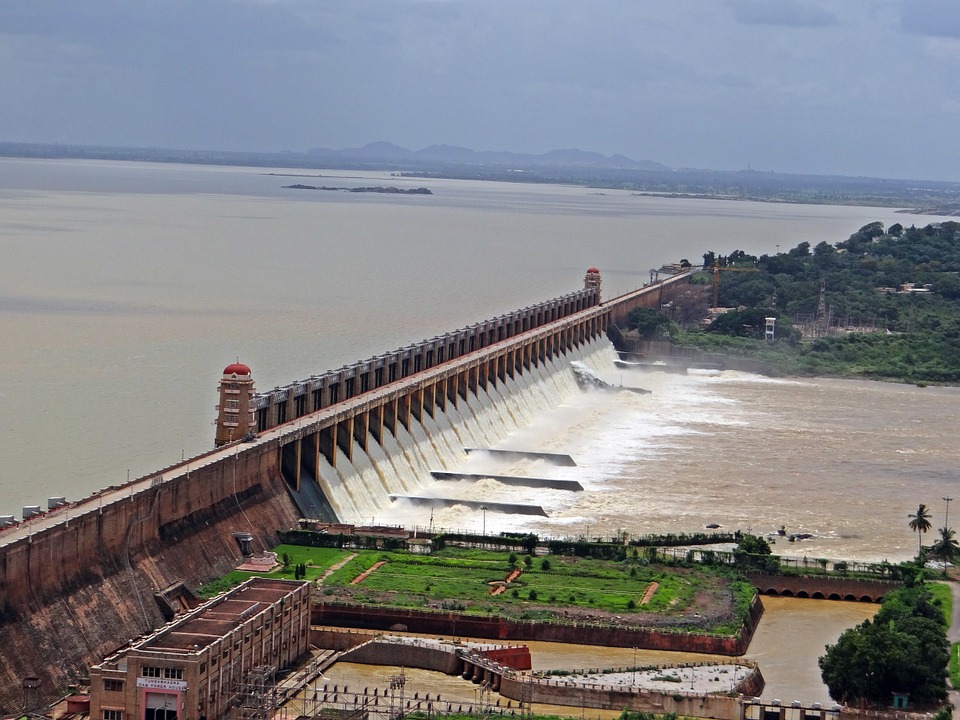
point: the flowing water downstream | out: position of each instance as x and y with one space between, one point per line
791 636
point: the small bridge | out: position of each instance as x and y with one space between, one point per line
822 587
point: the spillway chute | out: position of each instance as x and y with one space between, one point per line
561 459
519 480
506 508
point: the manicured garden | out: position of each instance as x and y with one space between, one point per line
630 592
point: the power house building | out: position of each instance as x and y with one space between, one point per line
194 667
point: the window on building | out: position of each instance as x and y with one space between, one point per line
160 706
173 673
108 714
147 671
111 685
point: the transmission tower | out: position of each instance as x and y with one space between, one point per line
821 321
397 683
257 695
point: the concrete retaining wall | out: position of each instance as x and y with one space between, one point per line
455 624
405 655
720 707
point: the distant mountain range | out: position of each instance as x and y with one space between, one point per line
385 152
572 166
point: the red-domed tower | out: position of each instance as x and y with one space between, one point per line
592 280
236 417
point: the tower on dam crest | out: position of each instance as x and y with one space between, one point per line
236 417
592 281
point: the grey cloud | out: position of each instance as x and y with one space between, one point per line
938 18
778 83
785 13
116 23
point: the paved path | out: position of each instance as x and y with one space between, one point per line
333 568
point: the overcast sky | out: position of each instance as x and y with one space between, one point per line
851 87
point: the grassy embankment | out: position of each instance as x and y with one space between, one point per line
869 356
459 579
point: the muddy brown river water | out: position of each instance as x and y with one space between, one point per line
791 636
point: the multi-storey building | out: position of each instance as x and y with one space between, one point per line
194 667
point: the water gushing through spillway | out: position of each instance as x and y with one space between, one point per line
363 490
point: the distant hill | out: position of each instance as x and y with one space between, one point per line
385 152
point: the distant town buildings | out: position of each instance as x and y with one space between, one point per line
905 288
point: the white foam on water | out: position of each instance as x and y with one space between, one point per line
735 449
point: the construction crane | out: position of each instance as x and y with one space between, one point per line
717 269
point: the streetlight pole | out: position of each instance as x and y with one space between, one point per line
483 509
634 682
946 514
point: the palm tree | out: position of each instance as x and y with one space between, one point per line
945 548
920 523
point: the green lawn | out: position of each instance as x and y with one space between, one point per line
457 579
317 560
955 666
941 592
460 579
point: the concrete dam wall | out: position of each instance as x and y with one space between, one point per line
352 469
82 580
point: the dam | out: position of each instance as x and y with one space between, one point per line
85 578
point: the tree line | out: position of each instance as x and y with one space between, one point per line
884 303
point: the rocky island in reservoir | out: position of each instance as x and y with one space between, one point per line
390 190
